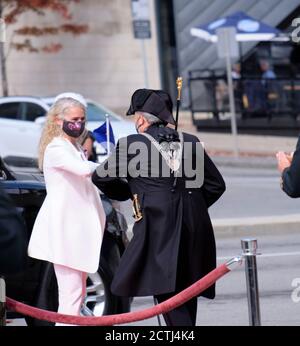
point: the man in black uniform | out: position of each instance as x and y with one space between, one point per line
173 243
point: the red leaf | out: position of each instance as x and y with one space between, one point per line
52 48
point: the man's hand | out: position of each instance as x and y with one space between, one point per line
283 160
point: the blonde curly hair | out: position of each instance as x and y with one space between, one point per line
51 129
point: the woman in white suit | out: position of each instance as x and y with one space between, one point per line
69 228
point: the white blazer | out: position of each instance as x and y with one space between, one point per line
70 224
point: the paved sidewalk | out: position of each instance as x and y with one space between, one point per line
251 145
254 150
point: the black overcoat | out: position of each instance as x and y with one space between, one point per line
175 231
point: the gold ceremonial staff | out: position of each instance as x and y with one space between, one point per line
179 88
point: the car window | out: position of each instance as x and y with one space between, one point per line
33 111
96 113
10 110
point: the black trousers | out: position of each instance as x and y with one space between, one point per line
184 315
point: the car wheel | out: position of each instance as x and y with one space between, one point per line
100 301
96 301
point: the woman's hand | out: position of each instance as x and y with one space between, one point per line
284 161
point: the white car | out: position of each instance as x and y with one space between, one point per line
22 119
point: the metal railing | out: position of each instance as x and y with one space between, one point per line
249 247
2 302
254 97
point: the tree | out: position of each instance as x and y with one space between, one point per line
11 10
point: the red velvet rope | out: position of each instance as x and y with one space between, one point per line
168 305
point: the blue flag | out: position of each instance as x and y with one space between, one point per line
100 135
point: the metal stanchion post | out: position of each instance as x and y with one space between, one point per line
249 247
2 302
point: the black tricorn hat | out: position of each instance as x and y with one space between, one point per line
156 102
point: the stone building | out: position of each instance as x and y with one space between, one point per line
105 64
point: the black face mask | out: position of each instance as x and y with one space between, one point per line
73 129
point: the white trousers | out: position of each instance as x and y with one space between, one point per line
71 290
